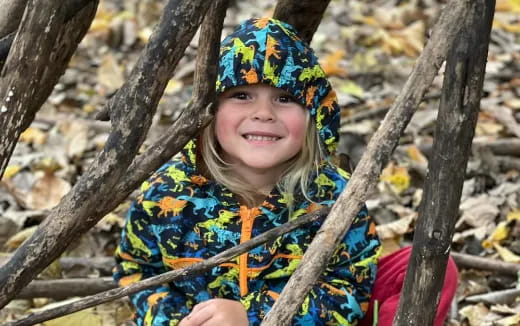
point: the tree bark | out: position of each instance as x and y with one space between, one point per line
10 16
456 121
35 64
131 111
485 264
367 172
304 15
170 276
66 288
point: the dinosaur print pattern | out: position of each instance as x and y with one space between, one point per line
181 217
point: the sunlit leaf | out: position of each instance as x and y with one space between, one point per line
331 64
500 233
33 135
397 177
11 170
506 254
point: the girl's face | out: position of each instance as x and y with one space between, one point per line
259 128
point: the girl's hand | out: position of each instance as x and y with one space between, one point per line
217 312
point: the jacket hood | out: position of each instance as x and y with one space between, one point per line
270 52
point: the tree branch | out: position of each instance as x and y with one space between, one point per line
170 276
304 15
10 16
131 110
456 121
367 172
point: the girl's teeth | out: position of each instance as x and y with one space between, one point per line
261 138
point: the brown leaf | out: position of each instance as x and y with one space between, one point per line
47 192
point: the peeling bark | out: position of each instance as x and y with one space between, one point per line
131 110
35 65
456 121
367 172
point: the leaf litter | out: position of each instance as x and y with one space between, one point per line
367 49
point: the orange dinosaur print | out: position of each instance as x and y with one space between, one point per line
310 95
329 101
127 280
171 205
271 50
199 180
250 76
154 298
262 22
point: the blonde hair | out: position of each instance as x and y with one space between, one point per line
297 174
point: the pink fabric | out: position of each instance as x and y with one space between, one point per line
389 282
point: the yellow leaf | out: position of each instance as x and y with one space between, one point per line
349 87
508 5
87 317
397 177
33 135
47 164
514 215
11 171
415 155
16 240
173 86
88 108
500 233
331 64
506 254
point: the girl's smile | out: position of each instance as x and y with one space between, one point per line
259 128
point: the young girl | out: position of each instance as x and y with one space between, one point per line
264 160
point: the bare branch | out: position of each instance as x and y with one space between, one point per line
367 172
456 121
170 276
485 264
304 15
66 288
10 16
131 111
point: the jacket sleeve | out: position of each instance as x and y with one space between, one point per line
342 293
138 257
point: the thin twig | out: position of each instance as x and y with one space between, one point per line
367 172
184 273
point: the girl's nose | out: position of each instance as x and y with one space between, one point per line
264 111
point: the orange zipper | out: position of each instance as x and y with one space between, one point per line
247 217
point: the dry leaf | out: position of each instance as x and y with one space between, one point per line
33 135
474 313
110 75
397 177
501 232
16 240
506 254
87 317
47 192
509 321
331 64
416 156
478 211
10 171
514 215
76 134
396 228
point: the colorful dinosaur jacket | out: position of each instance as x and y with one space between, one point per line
182 217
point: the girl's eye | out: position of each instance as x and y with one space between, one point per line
240 96
286 99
